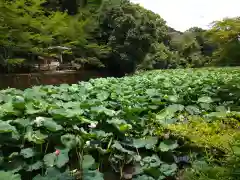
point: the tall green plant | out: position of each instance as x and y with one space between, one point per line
225 34
27 26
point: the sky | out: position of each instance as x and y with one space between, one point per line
183 14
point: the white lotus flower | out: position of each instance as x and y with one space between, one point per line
92 125
38 121
88 143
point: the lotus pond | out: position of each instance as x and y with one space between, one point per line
156 125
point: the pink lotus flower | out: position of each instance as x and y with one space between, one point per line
57 152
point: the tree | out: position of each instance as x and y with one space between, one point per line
115 34
207 47
129 30
226 35
40 27
186 45
34 31
72 7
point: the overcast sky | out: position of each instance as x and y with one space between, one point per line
183 14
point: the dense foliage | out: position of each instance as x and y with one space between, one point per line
149 126
173 124
226 36
115 35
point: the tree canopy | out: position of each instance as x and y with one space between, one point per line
226 35
115 35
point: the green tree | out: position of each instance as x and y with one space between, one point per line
226 35
129 30
29 28
207 47
187 47
185 43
